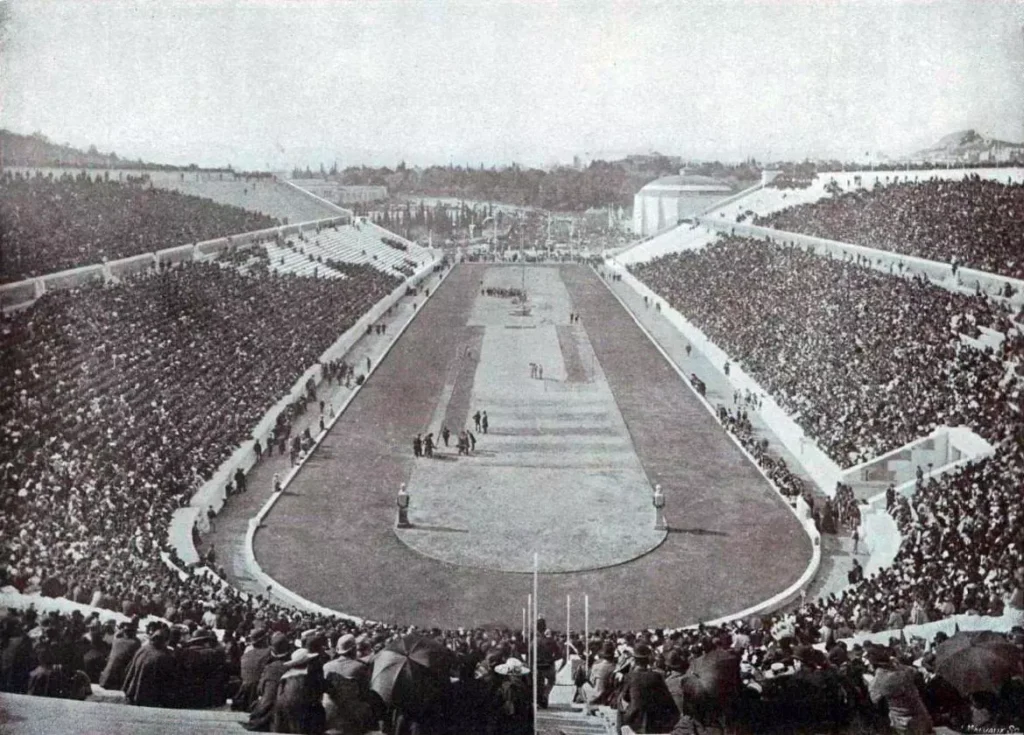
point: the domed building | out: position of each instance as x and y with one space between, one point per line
665 201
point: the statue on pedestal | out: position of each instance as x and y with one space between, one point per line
658 499
403 508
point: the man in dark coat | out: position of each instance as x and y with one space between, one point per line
49 678
203 671
262 715
151 679
96 654
299 708
649 705
350 709
251 667
122 651
16 658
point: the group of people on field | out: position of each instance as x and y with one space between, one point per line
465 441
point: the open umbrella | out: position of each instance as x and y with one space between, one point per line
977 662
411 674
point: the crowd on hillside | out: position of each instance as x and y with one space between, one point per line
981 223
118 402
53 224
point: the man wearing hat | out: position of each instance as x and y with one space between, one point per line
122 651
677 665
152 676
348 703
254 659
547 653
516 698
602 678
298 707
895 684
649 705
262 716
204 673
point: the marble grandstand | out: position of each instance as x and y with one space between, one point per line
926 369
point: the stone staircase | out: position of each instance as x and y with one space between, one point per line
21 714
560 719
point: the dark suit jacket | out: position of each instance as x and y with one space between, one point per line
122 650
649 705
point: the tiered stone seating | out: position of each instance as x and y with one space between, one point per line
362 243
288 260
273 198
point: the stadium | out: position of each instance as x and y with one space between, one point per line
382 450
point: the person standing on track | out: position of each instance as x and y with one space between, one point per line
483 422
476 420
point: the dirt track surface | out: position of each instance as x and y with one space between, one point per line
731 543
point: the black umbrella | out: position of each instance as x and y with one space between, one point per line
977 662
411 674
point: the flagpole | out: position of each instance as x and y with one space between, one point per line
586 633
533 661
527 629
568 608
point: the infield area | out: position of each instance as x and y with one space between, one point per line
565 469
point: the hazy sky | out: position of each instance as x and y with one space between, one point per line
259 82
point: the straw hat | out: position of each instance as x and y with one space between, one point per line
512 667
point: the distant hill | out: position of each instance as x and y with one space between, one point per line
969 146
37 150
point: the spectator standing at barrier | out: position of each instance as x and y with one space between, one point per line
417 446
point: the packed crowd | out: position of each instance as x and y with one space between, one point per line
119 401
980 226
52 224
867 362
87 493
301 673
788 482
